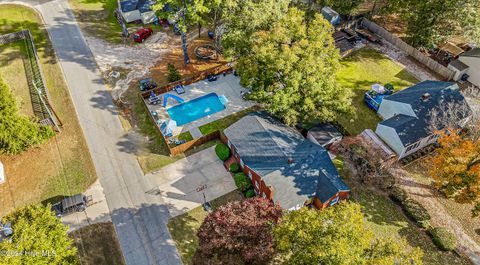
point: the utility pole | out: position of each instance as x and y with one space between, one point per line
186 59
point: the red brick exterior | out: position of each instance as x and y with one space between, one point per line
261 188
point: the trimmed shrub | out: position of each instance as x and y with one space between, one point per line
250 193
398 194
173 74
222 151
417 212
443 239
242 182
388 86
234 167
18 132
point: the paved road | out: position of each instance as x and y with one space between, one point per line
139 216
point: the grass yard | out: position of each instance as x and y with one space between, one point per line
386 219
458 211
359 71
222 124
98 244
184 227
97 18
63 165
154 154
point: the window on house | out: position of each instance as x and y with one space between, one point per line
264 195
250 174
229 144
257 184
241 163
334 201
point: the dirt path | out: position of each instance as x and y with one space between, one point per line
440 217
135 60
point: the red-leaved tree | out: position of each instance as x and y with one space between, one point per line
238 233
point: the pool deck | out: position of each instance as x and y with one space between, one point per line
228 85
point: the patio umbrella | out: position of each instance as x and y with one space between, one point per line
167 128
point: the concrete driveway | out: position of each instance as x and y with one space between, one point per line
183 183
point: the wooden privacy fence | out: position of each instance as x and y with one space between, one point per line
179 149
419 56
189 80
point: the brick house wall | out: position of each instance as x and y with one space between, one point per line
265 191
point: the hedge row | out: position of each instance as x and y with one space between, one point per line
412 208
443 239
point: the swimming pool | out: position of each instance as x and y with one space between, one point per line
195 109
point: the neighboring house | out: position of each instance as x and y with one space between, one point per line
324 134
134 10
284 166
471 59
406 115
459 68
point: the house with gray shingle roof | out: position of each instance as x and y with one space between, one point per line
284 166
407 115
471 59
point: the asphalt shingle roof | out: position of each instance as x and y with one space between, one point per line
324 133
412 129
459 65
265 145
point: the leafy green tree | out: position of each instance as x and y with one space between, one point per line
17 132
337 235
39 238
243 18
291 70
433 22
173 73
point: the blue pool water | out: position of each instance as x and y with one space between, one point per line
195 109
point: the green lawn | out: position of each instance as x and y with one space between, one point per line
96 17
98 244
359 71
156 154
386 219
221 124
63 165
184 227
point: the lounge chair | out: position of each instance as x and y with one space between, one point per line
179 89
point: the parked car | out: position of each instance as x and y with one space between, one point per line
142 34
75 203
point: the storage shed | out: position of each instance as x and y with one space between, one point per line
324 134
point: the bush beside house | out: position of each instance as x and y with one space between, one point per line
250 193
234 167
243 183
443 239
222 151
